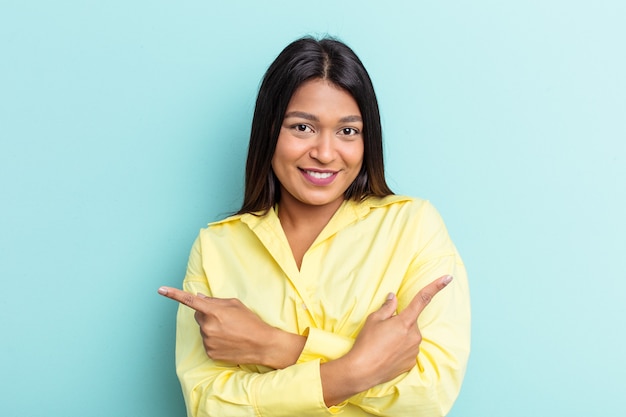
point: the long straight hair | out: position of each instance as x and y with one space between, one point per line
303 60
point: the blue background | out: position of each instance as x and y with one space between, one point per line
123 130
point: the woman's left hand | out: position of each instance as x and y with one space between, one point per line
231 332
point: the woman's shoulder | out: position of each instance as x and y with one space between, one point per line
246 220
412 209
397 202
235 218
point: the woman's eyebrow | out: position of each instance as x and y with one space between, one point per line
302 115
314 118
351 119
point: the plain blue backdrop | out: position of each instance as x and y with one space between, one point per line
123 131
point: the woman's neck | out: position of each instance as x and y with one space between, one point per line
302 223
299 215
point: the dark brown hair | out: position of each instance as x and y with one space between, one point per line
302 60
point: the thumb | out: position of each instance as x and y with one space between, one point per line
389 307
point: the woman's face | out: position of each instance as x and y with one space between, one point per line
319 151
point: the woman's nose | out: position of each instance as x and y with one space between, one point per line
323 149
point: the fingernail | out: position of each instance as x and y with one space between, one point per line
446 280
201 295
162 291
390 296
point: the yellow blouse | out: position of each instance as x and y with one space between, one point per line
368 249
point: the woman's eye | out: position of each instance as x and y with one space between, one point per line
349 131
301 128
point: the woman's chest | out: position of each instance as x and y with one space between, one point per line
340 282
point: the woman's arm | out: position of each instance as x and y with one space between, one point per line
232 333
218 388
386 347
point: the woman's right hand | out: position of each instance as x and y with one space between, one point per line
386 347
388 344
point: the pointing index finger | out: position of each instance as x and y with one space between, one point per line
424 296
183 297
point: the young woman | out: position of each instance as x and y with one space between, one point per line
318 296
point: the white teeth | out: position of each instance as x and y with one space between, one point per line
319 175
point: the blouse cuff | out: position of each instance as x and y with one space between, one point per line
302 398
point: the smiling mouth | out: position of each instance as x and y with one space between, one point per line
319 175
